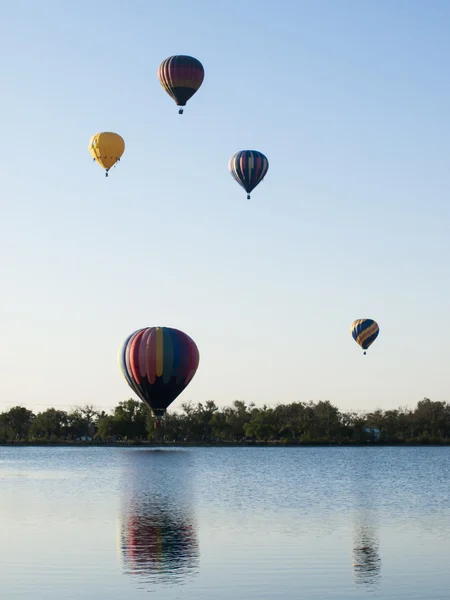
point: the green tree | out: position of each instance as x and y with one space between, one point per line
50 423
327 420
81 421
237 416
261 425
130 419
433 417
105 427
15 424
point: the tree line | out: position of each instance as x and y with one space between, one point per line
295 423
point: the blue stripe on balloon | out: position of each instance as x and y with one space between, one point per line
123 363
370 340
360 327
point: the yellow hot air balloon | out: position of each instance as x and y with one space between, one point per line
106 148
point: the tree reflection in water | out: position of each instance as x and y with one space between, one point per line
158 538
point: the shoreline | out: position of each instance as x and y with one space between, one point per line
143 444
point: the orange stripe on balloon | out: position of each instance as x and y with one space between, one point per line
143 352
363 336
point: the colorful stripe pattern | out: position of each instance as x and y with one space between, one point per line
158 363
181 76
364 332
248 168
155 541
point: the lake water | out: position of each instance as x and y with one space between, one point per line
225 523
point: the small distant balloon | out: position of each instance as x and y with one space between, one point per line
364 332
181 77
158 363
248 168
106 148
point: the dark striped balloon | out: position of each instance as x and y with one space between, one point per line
364 332
248 168
181 76
158 363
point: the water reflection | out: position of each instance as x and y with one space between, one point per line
158 538
366 554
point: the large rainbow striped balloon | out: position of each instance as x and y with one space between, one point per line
158 363
364 332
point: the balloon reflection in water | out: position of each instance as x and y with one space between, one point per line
155 542
366 556
158 537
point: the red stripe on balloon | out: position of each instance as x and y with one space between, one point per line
193 360
184 357
134 357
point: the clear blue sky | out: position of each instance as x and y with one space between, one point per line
350 102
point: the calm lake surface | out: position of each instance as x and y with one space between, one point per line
225 523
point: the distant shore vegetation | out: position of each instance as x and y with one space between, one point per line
312 423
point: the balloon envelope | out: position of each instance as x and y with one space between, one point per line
364 332
158 363
106 148
248 168
181 76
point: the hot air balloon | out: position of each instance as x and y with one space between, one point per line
158 363
106 148
364 332
248 167
181 76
